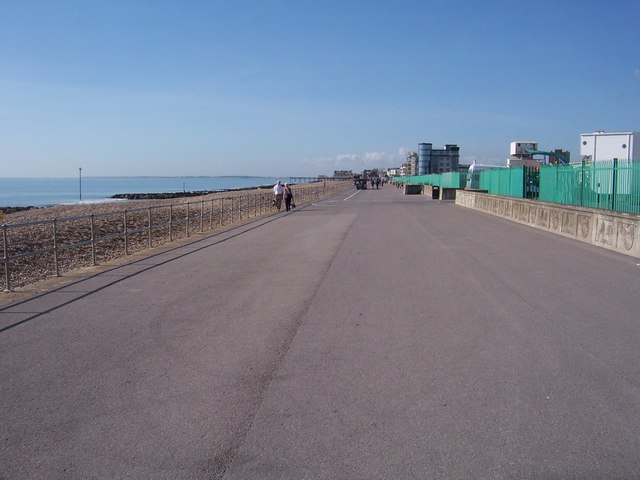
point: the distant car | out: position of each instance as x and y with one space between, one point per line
361 184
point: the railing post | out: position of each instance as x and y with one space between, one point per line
149 239
93 240
582 184
7 274
187 232
211 216
614 184
126 235
232 203
171 222
55 247
221 211
201 216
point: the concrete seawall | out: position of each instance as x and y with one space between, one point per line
619 232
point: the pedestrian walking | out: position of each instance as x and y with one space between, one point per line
278 191
288 197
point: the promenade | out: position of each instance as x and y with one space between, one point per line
367 336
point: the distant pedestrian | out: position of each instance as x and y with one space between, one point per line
377 183
288 197
278 190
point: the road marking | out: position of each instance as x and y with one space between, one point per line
351 196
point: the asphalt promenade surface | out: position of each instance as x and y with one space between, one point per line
370 335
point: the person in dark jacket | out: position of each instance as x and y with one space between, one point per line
288 197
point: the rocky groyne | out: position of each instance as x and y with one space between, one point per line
8 210
169 195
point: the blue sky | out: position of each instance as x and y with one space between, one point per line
300 88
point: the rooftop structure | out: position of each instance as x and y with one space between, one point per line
602 146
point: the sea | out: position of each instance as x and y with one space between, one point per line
41 192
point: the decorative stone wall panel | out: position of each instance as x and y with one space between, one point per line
554 220
605 232
542 217
626 236
584 226
569 223
618 232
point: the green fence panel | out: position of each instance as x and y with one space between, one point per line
450 180
609 185
443 180
504 181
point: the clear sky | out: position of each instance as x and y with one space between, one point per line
300 88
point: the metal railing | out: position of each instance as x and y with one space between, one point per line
519 182
605 184
40 249
609 185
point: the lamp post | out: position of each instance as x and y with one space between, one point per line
80 181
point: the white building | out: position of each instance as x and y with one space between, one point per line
624 147
603 146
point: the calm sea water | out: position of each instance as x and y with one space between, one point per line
39 192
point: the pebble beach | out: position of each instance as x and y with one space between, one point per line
108 215
74 225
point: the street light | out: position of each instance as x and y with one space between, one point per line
80 181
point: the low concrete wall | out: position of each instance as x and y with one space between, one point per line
428 191
411 189
439 193
614 231
448 193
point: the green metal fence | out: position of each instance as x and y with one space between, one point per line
503 181
513 182
443 180
610 185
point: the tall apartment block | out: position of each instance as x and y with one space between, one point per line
432 160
